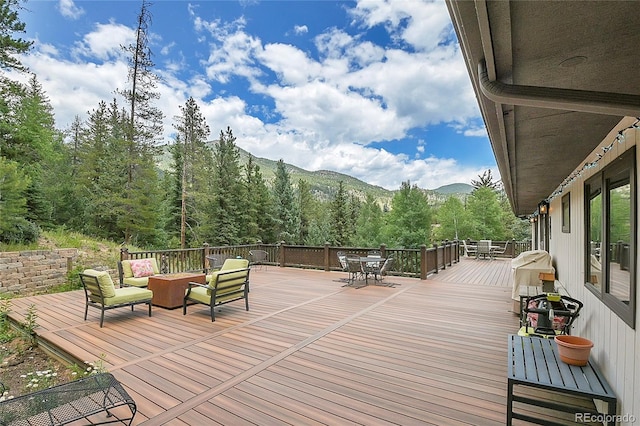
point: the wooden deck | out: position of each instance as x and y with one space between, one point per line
309 351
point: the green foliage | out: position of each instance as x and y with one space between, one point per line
484 207
454 222
286 210
485 181
13 204
11 47
6 333
29 325
190 154
340 217
227 194
409 221
369 224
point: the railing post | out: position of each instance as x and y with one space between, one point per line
205 253
445 249
383 250
326 257
423 262
282 254
435 246
124 253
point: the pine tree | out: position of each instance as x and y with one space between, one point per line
11 47
340 217
485 181
13 202
306 208
144 121
285 205
260 222
35 140
190 147
227 193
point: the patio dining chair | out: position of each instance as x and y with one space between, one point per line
499 250
386 267
469 250
342 258
484 249
258 258
354 268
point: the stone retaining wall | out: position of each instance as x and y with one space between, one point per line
28 272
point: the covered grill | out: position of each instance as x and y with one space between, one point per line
527 267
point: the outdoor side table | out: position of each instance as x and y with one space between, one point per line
534 362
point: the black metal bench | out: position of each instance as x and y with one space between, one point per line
534 362
84 399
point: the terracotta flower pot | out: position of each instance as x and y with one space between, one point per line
574 350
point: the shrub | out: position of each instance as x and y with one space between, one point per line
23 232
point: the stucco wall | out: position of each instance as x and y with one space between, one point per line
28 272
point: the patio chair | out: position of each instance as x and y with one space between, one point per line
258 258
136 272
354 268
484 249
227 285
342 258
386 267
469 250
100 293
499 250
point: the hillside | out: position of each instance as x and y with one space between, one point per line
324 183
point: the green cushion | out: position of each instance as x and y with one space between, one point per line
128 295
200 294
229 278
104 282
203 295
234 264
136 282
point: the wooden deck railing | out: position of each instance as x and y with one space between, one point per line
418 263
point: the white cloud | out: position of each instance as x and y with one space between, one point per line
104 43
69 10
300 29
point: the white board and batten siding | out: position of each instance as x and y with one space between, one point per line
616 345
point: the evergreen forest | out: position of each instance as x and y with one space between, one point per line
101 176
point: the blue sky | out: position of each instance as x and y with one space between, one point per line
374 89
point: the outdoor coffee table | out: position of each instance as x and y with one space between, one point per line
168 290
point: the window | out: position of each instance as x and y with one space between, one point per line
566 213
610 236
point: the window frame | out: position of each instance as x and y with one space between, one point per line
566 213
619 170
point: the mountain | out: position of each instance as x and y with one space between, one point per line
455 188
324 183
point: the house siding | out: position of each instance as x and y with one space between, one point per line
616 345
